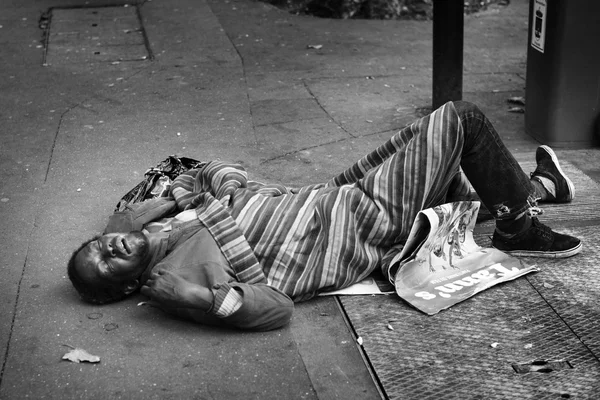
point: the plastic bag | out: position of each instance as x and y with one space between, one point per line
157 180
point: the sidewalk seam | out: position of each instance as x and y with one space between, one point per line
62 116
14 314
243 65
549 304
299 150
368 364
54 142
138 12
307 87
392 131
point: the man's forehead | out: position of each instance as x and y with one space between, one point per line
87 250
85 262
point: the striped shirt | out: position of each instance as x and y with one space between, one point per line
328 236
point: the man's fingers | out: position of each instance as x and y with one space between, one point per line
156 275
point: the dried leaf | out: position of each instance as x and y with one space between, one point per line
390 327
79 355
314 46
494 345
519 110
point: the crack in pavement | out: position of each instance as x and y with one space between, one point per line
62 116
14 311
69 109
244 74
307 87
325 144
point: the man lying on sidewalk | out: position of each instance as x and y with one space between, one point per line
239 253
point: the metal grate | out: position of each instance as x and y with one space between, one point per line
95 35
551 319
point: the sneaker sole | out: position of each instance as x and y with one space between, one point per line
545 254
560 171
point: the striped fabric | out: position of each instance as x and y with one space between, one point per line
328 236
231 302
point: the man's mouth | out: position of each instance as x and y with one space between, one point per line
126 246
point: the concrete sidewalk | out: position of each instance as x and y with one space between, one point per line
231 80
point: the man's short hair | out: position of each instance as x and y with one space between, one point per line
95 293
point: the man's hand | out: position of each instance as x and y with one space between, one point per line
173 291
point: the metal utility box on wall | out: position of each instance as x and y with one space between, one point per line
563 72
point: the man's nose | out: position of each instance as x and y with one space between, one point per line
109 247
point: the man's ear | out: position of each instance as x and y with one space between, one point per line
131 286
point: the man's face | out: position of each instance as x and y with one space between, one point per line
114 257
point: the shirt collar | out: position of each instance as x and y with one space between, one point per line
159 252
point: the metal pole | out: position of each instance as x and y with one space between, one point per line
448 36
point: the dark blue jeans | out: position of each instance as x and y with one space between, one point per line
496 176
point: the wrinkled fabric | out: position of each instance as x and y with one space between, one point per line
188 250
193 255
277 241
328 236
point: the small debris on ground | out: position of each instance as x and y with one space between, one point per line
78 355
110 326
95 315
314 46
519 110
520 100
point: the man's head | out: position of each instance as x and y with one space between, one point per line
107 268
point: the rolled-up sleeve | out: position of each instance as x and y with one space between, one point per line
251 306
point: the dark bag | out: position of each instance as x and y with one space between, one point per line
158 180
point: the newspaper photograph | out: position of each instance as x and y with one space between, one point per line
441 265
